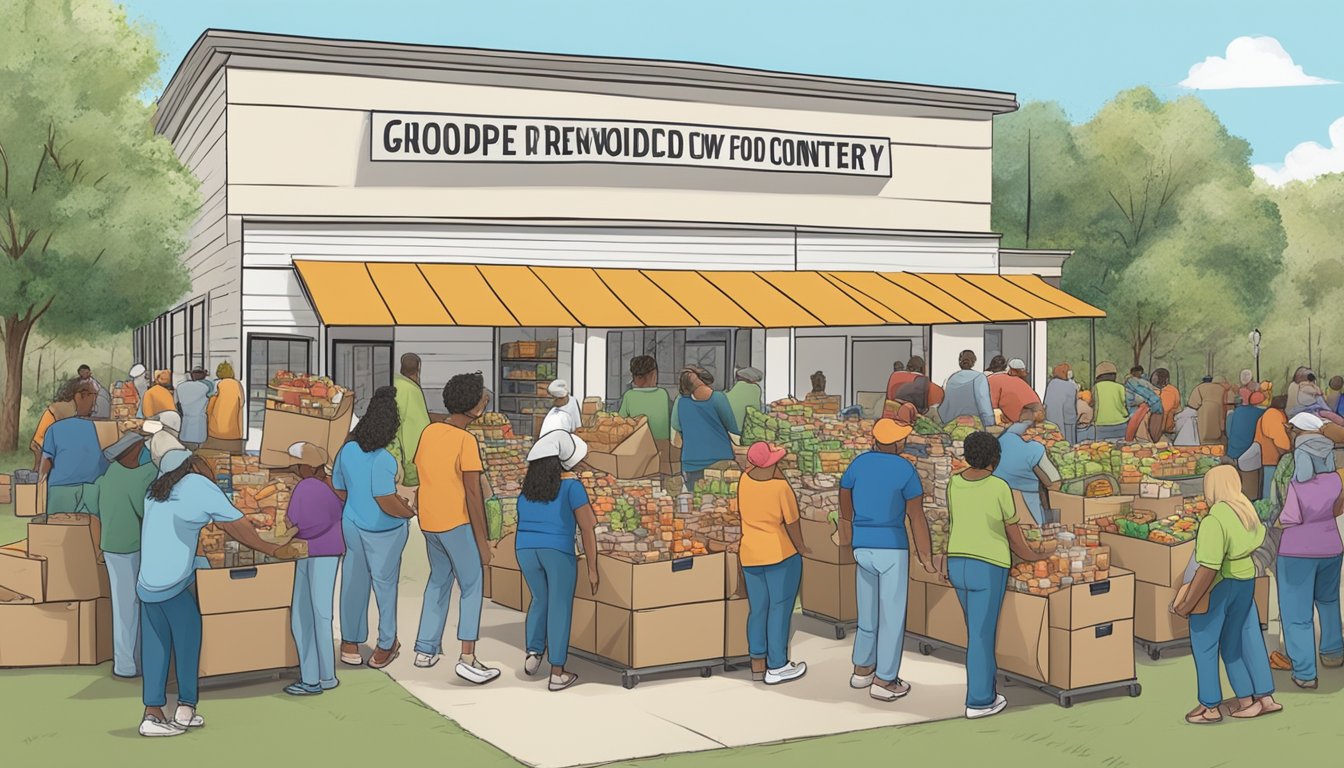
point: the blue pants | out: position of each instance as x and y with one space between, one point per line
882 589
772 591
452 556
1231 629
1267 481
551 576
1307 583
980 588
122 572
372 560
310 619
171 633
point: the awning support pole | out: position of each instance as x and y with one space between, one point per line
1093 322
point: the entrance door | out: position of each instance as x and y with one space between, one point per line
361 366
872 363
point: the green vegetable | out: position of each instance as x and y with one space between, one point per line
494 519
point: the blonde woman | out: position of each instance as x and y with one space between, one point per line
1227 624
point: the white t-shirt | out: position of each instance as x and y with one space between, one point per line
563 417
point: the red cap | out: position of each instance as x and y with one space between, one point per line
765 455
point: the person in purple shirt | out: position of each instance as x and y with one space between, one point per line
315 510
1308 570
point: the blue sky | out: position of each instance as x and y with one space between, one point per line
1077 53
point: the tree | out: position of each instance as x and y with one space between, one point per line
94 207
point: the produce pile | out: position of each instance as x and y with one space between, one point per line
639 522
504 456
125 400
1077 558
1170 530
1158 489
1134 462
305 394
816 442
262 496
1046 434
961 427
608 431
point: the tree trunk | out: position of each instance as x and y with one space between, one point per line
11 401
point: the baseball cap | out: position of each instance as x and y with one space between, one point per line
561 444
889 431
750 375
1016 364
765 455
173 459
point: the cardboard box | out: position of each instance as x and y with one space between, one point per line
246 588
917 572
1153 619
108 432
641 586
281 429
669 457
829 590
655 637
1167 507
30 499
734 582
505 553
1076 510
636 457
817 537
73 571
22 573
1092 603
507 588
1154 563
247 641
1091 656
735 629
917 608
945 621
54 634
583 626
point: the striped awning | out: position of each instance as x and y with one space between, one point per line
373 293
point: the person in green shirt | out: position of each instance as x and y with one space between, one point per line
414 418
1111 411
647 399
982 534
1228 625
121 506
746 393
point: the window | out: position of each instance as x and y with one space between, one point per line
196 335
265 356
361 366
742 349
674 350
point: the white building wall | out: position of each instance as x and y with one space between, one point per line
1040 362
778 364
445 353
947 344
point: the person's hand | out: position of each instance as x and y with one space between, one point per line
487 555
593 579
805 551
929 567
1180 610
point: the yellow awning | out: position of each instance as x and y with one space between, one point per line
354 293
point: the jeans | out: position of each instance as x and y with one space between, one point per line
772 591
882 589
1307 583
1033 502
372 559
310 619
1267 482
1108 433
172 631
980 589
122 571
1231 629
452 555
551 576
692 478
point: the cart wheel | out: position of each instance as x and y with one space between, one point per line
1065 701
1135 690
839 632
1155 654
629 681
706 671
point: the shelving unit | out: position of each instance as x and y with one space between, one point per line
528 363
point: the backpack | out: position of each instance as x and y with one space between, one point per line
916 393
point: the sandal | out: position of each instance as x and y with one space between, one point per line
1268 705
1306 685
1278 661
1201 716
1249 713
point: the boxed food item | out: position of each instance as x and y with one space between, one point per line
1075 510
304 409
829 590
6 489
657 584
917 609
583 626
507 588
30 499
1157 563
1090 656
246 641
735 585
249 588
1154 621
735 629
622 449
37 634
658 636
944 619
21 573
817 536
65 542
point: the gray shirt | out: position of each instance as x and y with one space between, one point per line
967 394
192 398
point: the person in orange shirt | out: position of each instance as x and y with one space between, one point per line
1009 392
63 407
1271 434
159 398
772 563
913 385
1171 400
452 517
224 414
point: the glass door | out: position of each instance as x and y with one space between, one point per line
362 367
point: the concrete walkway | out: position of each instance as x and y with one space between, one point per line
598 721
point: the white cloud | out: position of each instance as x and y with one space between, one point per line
1251 62
1308 160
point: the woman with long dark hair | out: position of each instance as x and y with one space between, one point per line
180 502
373 523
550 509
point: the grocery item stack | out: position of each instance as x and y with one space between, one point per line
262 495
608 431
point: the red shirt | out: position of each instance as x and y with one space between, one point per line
901 378
1009 394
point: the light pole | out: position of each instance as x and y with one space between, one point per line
1255 349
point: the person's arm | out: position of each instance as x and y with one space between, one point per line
725 412
845 525
587 521
1292 509
395 506
675 423
624 410
1199 586
242 532
44 468
790 515
1278 434
1046 471
919 526
1021 547
476 514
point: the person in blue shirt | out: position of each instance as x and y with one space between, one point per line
1140 391
180 502
72 458
373 522
1023 463
704 419
878 492
1241 424
550 510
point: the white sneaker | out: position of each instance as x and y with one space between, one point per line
153 727
784 674
859 682
883 693
532 664
476 672
973 713
426 660
186 717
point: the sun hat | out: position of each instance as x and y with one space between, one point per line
173 459
127 441
1106 367
308 454
765 455
1307 422
561 444
890 431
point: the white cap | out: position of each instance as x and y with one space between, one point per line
1307 422
1016 364
558 388
569 449
166 420
136 371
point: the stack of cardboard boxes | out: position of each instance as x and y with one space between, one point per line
54 596
659 613
829 574
245 618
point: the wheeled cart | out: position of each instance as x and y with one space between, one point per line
1065 697
838 627
631 676
1155 649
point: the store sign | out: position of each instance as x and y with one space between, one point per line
415 137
